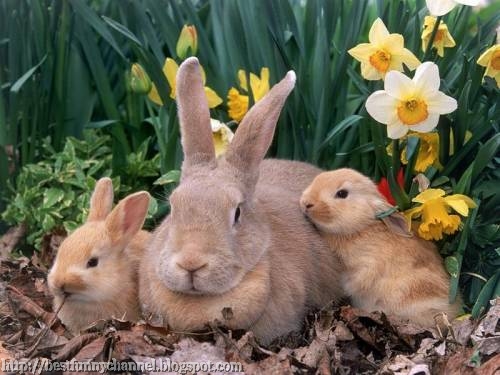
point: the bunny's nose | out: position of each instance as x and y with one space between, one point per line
191 267
61 289
306 205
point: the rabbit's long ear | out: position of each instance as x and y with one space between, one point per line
256 131
101 201
127 218
194 115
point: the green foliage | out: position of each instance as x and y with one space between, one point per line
56 191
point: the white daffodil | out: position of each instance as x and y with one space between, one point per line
221 135
442 7
410 104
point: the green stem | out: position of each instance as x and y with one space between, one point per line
60 76
396 156
444 140
159 136
431 40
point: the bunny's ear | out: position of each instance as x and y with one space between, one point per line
256 131
101 201
397 224
194 115
127 217
392 218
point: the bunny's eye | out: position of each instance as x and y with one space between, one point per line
237 214
93 262
342 194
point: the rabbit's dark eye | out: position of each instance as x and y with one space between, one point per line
237 214
342 194
93 262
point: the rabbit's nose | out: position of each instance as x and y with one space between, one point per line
191 267
306 204
61 288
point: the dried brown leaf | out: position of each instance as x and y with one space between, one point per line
10 239
486 336
24 303
270 365
312 354
491 367
74 345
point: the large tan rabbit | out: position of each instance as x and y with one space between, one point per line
95 271
386 267
236 237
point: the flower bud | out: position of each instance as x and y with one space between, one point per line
139 80
187 45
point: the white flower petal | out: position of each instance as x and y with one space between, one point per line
440 103
440 7
381 106
396 130
216 124
427 78
378 32
427 125
471 3
398 85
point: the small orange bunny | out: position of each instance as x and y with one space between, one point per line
95 271
386 267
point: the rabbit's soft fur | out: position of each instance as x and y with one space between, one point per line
235 237
113 237
385 269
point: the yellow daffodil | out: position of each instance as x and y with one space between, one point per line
491 60
170 71
442 39
187 45
428 153
410 104
238 103
384 53
221 135
441 7
434 213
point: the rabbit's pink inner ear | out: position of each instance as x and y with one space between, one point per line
397 224
194 115
256 131
101 201
128 217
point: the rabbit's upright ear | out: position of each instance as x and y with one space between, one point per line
194 115
127 218
101 201
256 131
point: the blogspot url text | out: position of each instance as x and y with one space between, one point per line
37 366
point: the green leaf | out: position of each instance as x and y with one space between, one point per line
170 177
22 80
101 124
452 266
489 291
52 196
122 30
339 128
485 154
